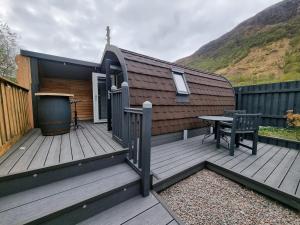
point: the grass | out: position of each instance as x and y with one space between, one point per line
247 79
282 133
236 48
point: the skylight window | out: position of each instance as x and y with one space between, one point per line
180 83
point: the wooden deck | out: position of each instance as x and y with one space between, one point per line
35 151
274 171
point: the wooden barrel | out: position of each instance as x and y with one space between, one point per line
54 114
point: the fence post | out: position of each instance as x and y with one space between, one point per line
125 116
146 147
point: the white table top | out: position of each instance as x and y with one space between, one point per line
53 94
216 118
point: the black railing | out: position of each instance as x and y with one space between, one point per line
132 126
116 111
138 139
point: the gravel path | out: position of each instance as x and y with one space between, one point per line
208 198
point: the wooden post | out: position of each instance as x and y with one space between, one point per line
108 86
146 145
125 116
35 86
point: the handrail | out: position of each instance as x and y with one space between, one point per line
137 137
7 81
134 110
132 128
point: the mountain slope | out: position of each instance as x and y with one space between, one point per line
261 49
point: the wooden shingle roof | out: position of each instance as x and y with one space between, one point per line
151 79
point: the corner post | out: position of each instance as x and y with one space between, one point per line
108 86
146 147
125 116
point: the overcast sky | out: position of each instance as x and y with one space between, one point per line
166 29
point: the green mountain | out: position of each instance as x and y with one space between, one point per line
263 49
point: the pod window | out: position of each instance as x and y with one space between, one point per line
180 83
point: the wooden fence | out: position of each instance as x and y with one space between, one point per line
14 113
272 100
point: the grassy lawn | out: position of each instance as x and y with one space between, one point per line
283 133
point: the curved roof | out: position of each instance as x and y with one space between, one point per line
151 79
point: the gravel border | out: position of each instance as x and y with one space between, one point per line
209 198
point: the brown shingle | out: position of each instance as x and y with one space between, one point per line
151 79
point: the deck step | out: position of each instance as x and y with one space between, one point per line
71 200
135 211
14 183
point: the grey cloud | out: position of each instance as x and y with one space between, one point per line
167 29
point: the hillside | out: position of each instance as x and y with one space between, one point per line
262 49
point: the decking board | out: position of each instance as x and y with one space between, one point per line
65 149
24 161
260 162
53 155
39 151
273 168
25 197
40 158
17 153
263 173
138 210
280 171
84 189
291 180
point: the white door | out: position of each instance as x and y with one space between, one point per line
99 97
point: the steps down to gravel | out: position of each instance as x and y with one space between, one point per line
71 200
135 211
31 178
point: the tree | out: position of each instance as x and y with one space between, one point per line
8 51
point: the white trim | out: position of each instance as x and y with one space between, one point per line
95 77
187 92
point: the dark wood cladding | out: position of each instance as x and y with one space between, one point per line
82 90
151 79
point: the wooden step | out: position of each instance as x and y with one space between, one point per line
135 211
14 183
71 200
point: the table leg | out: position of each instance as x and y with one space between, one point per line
215 129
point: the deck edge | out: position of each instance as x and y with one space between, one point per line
270 192
164 184
167 208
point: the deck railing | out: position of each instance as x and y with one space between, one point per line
137 137
116 110
133 127
14 113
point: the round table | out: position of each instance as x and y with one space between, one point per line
215 119
54 113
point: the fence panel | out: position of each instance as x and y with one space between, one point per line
272 100
14 113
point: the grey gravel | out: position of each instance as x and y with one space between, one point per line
208 198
